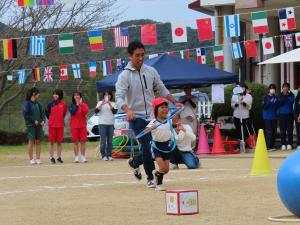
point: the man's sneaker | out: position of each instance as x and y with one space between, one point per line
136 171
110 158
32 162
160 188
52 161
76 160
83 159
283 147
289 147
105 158
150 184
38 161
59 160
173 166
158 178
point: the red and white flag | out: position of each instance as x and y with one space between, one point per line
179 34
268 45
297 38
64 72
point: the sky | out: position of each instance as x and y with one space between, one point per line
159 10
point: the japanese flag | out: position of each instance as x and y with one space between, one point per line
268 45
297 38
179 32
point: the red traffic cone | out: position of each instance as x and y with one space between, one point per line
218 146
203 147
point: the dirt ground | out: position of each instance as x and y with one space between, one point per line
101 192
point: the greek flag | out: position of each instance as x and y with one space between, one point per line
232 25
37 45
22 76
76 70
236 51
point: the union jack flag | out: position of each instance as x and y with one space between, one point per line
288 41
48 75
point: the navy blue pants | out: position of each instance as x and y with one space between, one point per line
286 128
106 134
144 157
270 133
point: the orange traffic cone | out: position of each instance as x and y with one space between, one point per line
203 147
218 146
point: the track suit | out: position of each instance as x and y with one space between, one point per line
78 122
286 118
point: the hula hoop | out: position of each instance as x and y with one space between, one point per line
173 114
289 218
124 116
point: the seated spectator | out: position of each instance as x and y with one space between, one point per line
184 153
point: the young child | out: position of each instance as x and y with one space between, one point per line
162 136
34 118
56 111
78 111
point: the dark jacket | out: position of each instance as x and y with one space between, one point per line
270 107
33 111
297 106
286 103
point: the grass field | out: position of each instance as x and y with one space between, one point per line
101 192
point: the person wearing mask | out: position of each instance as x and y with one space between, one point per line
241 102
286 117
297 116
134 95
106 111
270 107
188 115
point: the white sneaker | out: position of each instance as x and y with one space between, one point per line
76 160
173 166
283 147
32 162
298 147
110 158
289 147
38 161
160 188
83 159
105 158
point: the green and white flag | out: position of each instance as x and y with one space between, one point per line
260 22
218 53
66 45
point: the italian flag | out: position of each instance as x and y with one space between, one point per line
218 53
260 22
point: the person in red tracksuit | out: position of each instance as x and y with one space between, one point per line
56 111
78 111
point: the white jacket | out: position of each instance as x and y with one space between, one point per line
241 111
136 88
185 139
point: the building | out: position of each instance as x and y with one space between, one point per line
248 68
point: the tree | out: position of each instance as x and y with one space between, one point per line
60 18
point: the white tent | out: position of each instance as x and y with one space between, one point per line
291 56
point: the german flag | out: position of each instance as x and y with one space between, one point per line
36 74
10 49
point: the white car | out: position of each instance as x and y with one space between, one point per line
93 128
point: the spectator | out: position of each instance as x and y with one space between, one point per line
34 119
78 111
56 111
286 117
241 102
270 107
184 153
297 116
189 113
106 110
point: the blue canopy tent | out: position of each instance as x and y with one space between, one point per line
176 72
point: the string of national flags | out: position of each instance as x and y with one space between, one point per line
149 33
200 55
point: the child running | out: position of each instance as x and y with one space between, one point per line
56 111
78 111
161 145
34 118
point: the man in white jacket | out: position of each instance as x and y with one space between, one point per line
134 94
184 152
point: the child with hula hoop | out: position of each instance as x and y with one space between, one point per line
162 144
